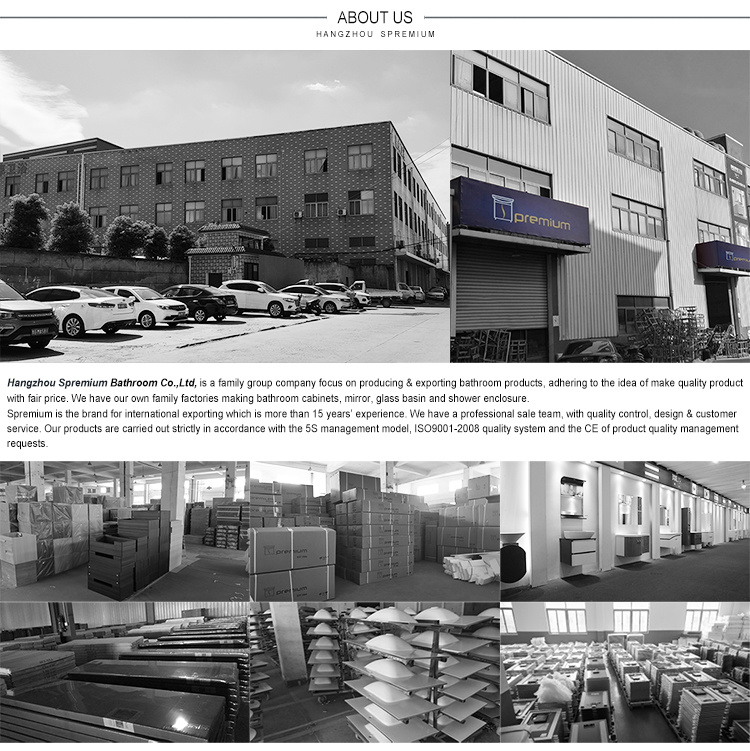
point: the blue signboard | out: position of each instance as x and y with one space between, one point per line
484 206
720 255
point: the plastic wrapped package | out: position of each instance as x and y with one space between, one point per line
553 691
61 512
62 529
45 547
45 567
67 494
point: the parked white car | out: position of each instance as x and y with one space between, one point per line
258 296
312 296
360 299
150 306
80 309
419 295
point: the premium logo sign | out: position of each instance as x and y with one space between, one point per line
485 206
738 201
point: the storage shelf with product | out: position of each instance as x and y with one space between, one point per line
601 530
117 672
122 530
625 672
377 530
383 672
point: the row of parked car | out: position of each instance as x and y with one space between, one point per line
71 310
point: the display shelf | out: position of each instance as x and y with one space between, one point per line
462 668
400 732
462 731
464 689
464 644
405 709
460 710
365 731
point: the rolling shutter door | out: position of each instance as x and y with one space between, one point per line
497 291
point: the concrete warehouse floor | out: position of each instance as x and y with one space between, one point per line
428 582
720 573
208 574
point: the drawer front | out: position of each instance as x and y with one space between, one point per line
583 546
582 559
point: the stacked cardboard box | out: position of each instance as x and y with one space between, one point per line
8 518
67 494
291 563
21 493
111 569
375 536
17 559
200 520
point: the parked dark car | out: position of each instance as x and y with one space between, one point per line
203 301
25 321
590 350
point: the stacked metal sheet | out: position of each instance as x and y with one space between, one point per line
671 691
86 650
79 711
240 658
738 701
212 678
701 715
25 669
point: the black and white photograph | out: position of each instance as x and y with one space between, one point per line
171 672
599 206
600 531
624 672
224 206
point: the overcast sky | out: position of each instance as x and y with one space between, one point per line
150 98
706 90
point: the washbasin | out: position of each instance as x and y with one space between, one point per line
580 535
510 537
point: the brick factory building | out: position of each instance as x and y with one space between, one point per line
348 201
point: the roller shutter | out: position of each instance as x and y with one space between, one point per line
495 290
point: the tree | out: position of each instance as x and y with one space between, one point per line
125 237
23 229
181 239
70 231
156 245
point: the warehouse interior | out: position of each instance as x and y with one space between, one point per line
281 672
90 672
600 531
165 531
100 499
625 672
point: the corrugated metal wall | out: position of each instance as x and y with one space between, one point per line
574 150
97 614
15 615
164 610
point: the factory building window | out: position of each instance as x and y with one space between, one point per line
12 185
629 308
66 181
164 173
130 210
98 178
129 176
631 617
361 202
231 168
195 171
231 209
41 184
267 207
195 211
361 242
312 243
566 618
163 213
637 218
709 179
701 616
498 172
487 77
265 165
708 232
316 205
316 161
507 620
632 145
360 156
98 216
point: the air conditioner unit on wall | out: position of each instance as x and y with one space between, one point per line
341 212
298 214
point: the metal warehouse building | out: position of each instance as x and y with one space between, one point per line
575 207
348 201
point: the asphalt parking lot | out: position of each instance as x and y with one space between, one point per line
417 333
